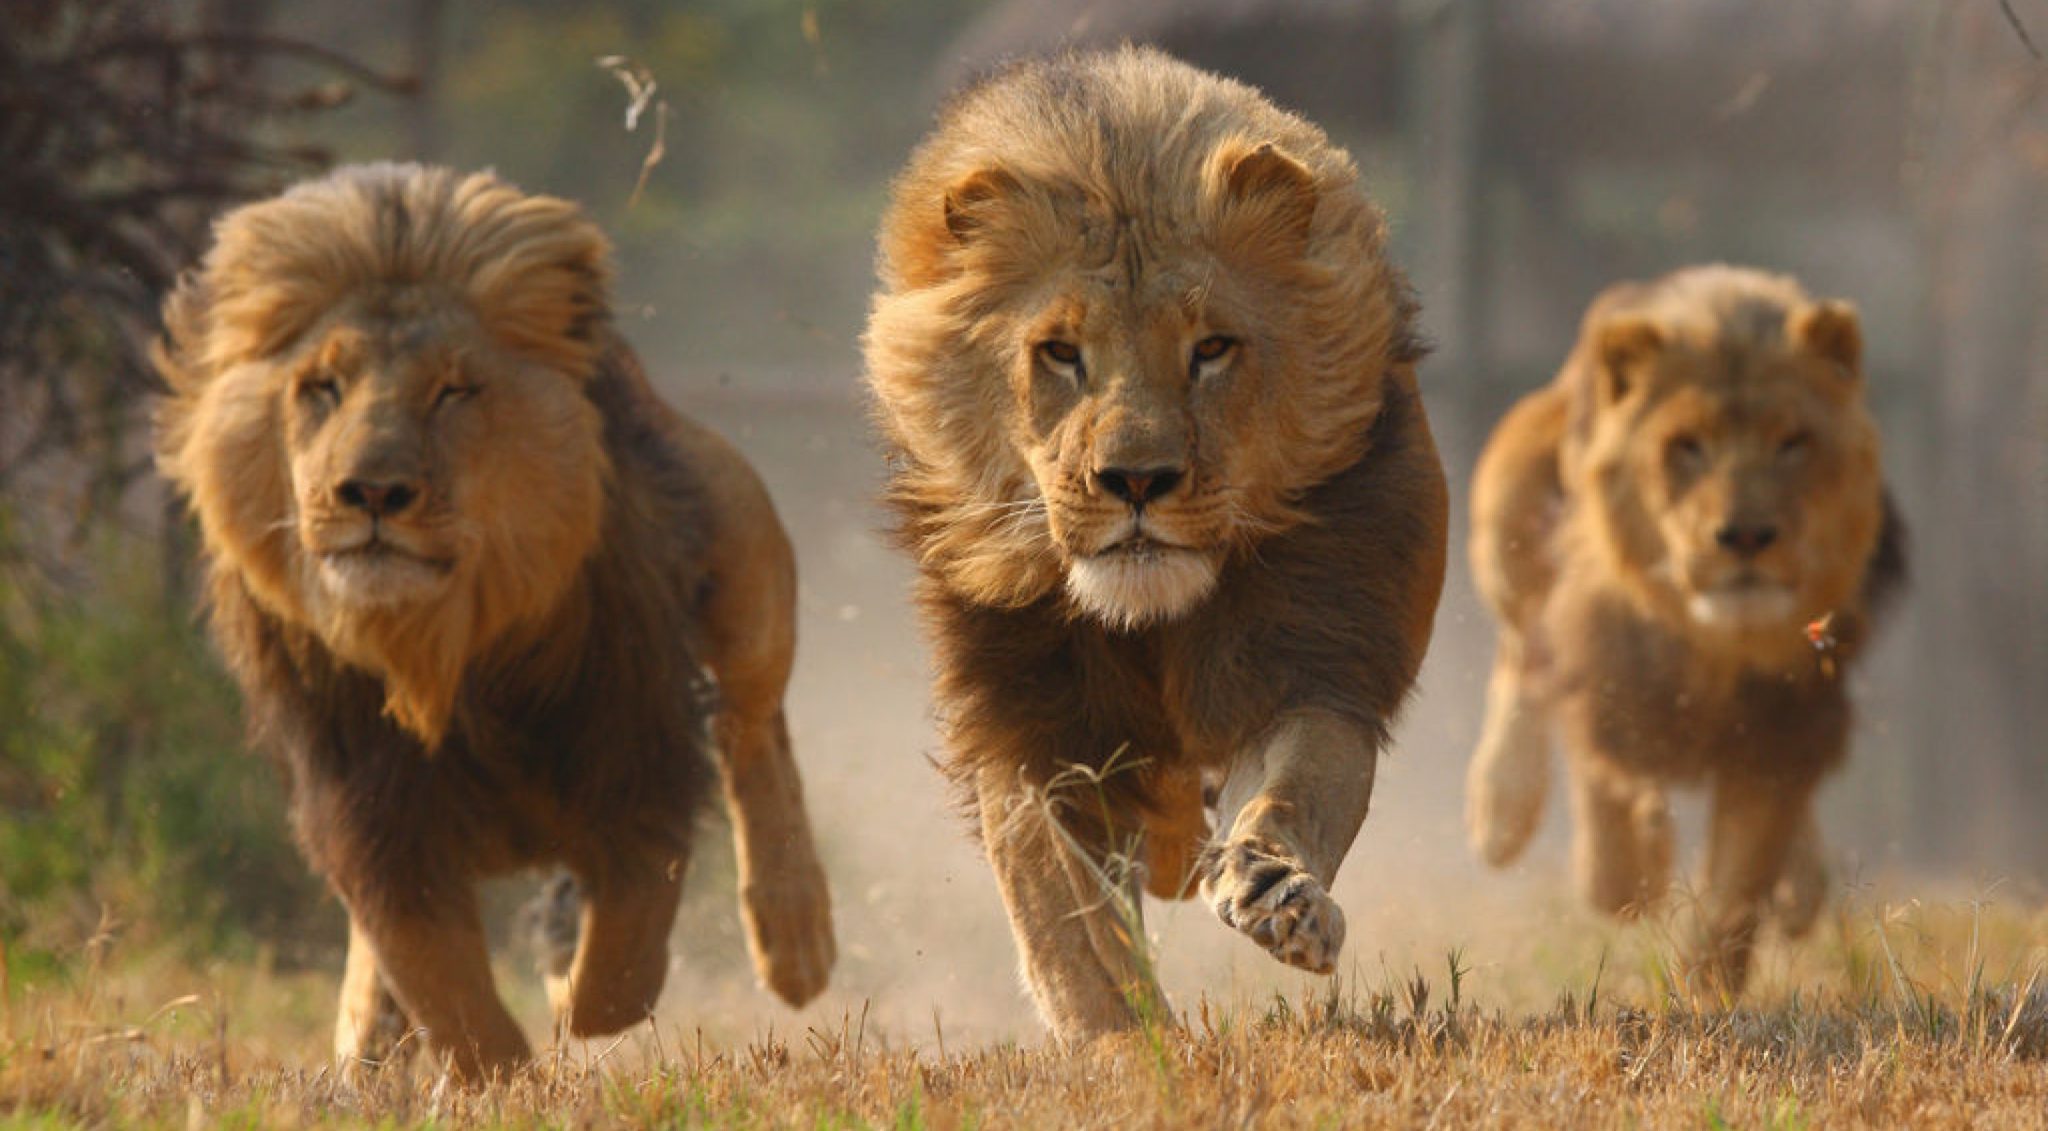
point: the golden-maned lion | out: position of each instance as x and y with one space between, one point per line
1147 382
1684 536
488 598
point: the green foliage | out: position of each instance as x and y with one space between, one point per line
751 246
127 798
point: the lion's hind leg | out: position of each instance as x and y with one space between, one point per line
369 1029
785 904
552 922
1517 502
1509 778
750 632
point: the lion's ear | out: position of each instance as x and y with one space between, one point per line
1621 346
1271 187
970 200
1830 330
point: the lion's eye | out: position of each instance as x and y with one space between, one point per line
325 391
1685 450
1060 355
453 392
1208 352
1795 445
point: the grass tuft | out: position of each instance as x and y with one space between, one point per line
1947 1027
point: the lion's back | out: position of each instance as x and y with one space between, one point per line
1517 502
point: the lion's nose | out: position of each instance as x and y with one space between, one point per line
379 499
1746 540
1138 486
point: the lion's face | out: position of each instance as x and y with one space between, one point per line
402 484
1142 408
379 416
1742 485
1108 382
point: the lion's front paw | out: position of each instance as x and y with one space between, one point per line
1278 904
789 932
1801 892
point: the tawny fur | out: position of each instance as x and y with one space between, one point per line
1685 537
1146 378
525 655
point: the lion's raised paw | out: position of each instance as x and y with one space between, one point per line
1277 904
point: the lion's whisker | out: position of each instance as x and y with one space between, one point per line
1003 507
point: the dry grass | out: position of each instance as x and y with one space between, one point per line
1922 1015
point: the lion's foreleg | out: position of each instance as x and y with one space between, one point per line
1292 804
1510 771
1803 890
438 967
784 901
1750 837
1176 831
1074 909
1621 838
621 952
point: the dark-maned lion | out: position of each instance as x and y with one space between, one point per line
1147 380
1684 536
470 573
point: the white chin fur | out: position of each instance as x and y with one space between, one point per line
367 581
1758 607
1131 588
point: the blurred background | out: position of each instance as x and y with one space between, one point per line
1893 152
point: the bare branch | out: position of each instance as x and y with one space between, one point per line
2019 29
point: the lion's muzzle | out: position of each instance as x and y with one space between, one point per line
1140 581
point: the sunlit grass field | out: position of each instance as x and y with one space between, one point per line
1914 1014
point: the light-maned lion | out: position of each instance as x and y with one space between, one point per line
1147 381
470 573
1684 537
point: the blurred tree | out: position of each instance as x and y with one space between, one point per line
1982 181
423 118
121 131
749 252
124 126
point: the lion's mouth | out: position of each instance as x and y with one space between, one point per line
1140 580
1140 549
1747 600
381 572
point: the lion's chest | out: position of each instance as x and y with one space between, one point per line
1631 693
520 782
